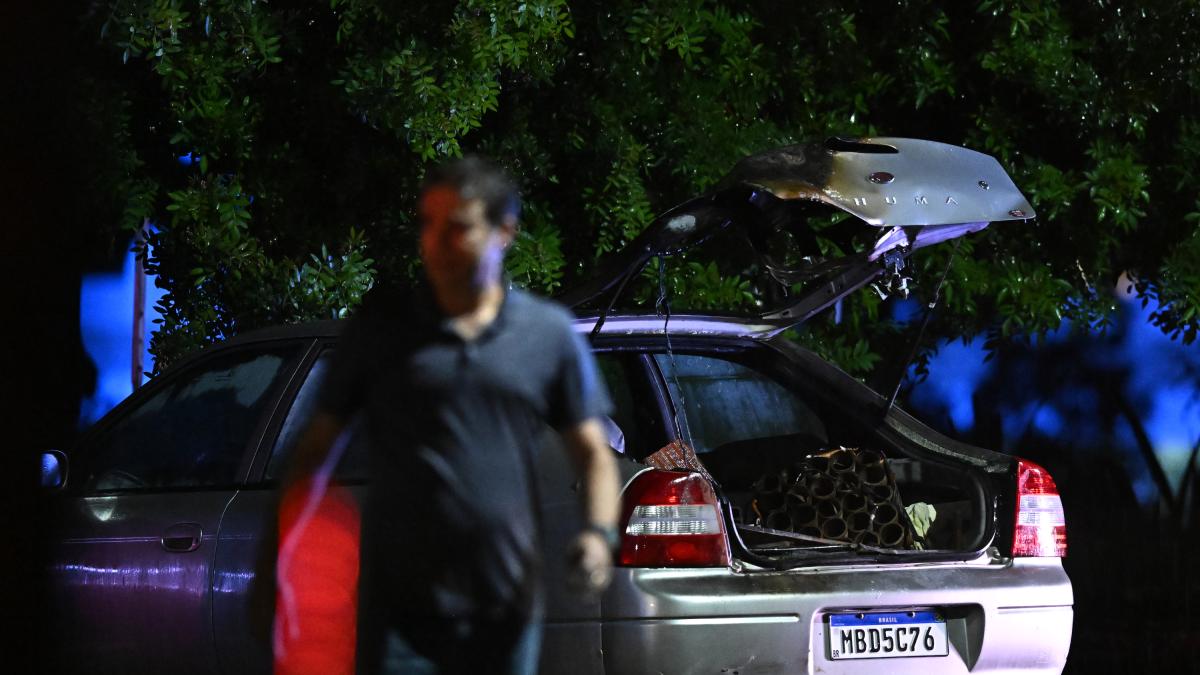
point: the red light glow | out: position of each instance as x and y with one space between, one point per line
316 634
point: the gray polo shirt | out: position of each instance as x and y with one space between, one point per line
450 525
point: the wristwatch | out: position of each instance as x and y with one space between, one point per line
610 534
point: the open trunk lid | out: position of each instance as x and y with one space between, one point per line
913 192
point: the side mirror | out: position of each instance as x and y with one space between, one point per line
54 469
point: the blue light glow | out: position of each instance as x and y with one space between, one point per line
904 310
955 372
1164 384
1047 421
106 321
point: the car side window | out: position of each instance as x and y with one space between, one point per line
194 431
724 401
353 465
621 428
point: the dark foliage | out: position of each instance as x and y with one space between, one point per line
311 124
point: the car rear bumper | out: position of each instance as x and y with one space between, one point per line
1013 617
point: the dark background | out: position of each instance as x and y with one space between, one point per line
1131 566
46 247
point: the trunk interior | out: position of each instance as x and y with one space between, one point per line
784 505
829 476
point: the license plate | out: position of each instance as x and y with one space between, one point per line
881 635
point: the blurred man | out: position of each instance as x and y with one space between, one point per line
455 382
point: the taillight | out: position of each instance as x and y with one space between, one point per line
672 519
1041 527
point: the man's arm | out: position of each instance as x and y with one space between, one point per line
591 554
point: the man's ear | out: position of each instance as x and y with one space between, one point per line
507 231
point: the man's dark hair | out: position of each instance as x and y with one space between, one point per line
476 178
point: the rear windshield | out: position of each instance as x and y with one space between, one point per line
724 401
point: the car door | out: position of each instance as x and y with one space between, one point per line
134 532
243 577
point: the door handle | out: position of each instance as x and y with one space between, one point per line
182 537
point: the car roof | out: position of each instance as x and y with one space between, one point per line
633 325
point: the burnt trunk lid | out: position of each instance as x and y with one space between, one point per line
905 193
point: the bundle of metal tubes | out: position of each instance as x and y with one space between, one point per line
844 494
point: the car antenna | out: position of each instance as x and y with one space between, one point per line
912 352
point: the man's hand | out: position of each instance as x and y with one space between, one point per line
590 564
